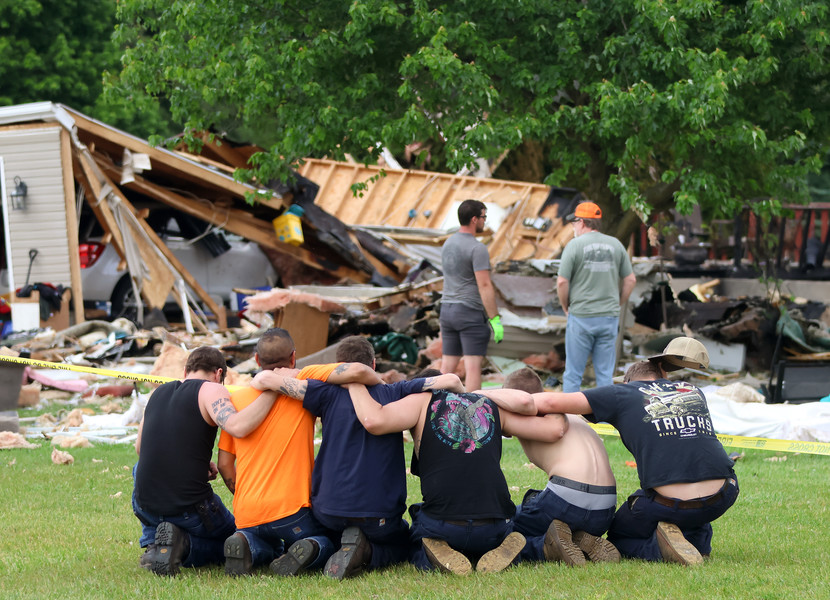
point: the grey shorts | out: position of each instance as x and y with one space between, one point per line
464 330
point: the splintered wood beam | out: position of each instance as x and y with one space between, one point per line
225 151
111 233
377 264
234 220
158 286
72 227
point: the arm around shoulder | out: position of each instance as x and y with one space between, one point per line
354 373
544 428
515 401
217 409
445 381
379 419
574 403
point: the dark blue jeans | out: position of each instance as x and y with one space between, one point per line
634 529
388 536
535 515
270 540
208 525
471 540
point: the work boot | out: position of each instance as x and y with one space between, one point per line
238 559
300 554
559 545
674 547
172 547
446 559
354 554
501 557
146 559
597 549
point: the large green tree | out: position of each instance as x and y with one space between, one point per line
644 104
60 51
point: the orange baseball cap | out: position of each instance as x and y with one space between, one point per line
585 210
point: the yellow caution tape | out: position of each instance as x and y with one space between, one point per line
733 441
755 443
42 364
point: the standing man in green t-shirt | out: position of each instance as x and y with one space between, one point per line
595 279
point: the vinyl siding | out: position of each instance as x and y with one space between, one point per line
34 156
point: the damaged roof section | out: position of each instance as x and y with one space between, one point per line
525 218
122 178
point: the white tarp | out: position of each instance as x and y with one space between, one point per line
807 422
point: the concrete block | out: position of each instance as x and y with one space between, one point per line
29 395
725 357
11 378
9 421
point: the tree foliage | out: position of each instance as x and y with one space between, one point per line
60 51
644 104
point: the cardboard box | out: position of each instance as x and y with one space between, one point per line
26 313
308 326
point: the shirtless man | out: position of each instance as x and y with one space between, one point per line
566 520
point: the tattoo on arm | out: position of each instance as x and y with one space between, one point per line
340 369
294 388
222 410
428 383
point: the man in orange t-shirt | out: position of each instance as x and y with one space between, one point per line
269 472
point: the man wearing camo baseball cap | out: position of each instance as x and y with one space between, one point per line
686 478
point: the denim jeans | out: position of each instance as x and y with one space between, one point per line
388 536
634 529
270 540
471 540
590 336
535 515
208 528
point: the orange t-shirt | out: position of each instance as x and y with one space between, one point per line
274 461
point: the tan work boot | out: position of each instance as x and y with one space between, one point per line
445 558
559 545
674 547
501 557
597 549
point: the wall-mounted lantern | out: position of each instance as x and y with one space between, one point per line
20 194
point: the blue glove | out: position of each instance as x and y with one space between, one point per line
498 329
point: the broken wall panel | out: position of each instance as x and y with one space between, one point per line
423 199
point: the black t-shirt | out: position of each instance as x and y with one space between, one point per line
458 461
176 446
667 427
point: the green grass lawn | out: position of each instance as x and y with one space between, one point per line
69 532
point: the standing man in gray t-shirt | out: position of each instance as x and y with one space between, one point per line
595 279
469 299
